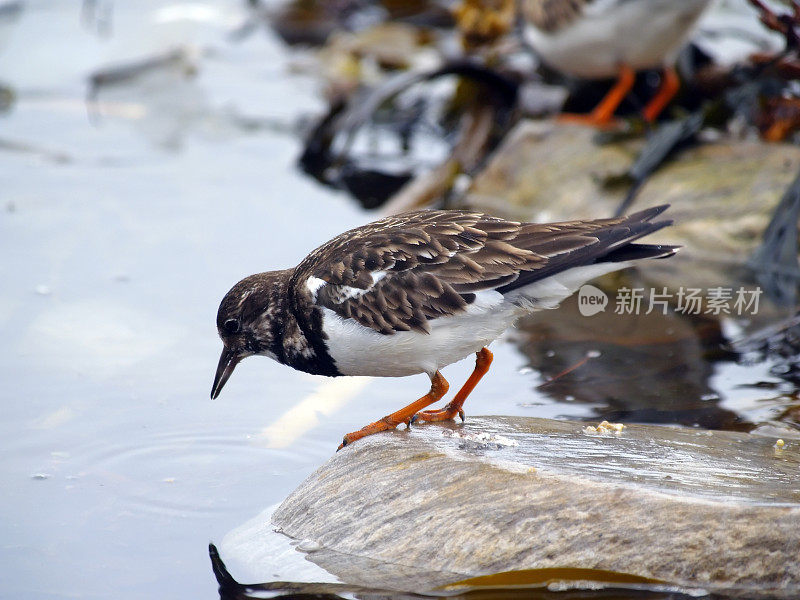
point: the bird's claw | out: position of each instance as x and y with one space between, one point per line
433 416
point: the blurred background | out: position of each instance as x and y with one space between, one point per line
154 153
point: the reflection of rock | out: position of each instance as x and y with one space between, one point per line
10 12
716 510
722 193
161 98
673 368
781 344
158 95
652 368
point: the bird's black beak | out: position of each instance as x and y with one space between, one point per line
227 363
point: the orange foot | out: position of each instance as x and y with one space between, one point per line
602 116
439 387
483 361
670 84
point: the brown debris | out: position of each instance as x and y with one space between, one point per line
484 21
779 118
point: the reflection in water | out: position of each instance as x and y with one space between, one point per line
781 344
10 12
538 584
330 396
647 368
159 96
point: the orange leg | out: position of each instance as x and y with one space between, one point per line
670 84
439 387
602 115
483 361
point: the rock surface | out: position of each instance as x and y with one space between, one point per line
438 504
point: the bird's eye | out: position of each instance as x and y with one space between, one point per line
232 326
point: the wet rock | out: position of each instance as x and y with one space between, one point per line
694 508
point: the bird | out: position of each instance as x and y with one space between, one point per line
415 292
603 39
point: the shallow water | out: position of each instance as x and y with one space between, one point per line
122 225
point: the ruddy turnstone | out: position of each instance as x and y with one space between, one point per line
599 39
418 291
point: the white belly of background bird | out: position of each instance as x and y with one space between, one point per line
643 34
602 39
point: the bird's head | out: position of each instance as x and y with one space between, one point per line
247 320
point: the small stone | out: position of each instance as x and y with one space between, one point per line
605 427
41 476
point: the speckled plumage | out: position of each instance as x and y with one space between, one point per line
434 261
395 280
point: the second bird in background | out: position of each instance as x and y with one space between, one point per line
601 39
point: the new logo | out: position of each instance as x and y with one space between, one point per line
591 300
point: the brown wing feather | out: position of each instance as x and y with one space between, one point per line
430 263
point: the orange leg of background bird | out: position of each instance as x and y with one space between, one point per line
439 387
483 361
670 84
603 113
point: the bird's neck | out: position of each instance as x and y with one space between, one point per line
303 345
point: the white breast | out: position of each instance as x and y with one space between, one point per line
359 350
643 34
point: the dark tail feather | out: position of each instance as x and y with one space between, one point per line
614 244
646 214
637 251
